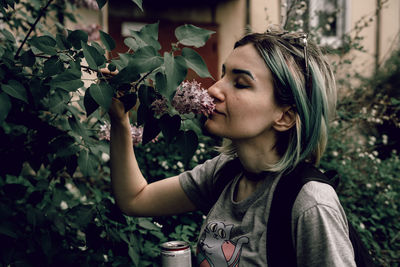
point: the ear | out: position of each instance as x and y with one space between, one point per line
286 119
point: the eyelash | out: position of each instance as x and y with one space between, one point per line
236 84
241 86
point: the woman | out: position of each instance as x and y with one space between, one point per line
273 102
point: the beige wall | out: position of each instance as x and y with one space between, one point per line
230 15
389 30
231 19
263 13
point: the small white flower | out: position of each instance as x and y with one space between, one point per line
335 153
362 226
385 139
364 110
105 157
63 205
327 27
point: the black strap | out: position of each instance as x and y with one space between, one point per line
281 252
280 249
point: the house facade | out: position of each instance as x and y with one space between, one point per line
375 22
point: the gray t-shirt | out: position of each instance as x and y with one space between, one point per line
234 233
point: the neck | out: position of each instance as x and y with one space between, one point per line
255 156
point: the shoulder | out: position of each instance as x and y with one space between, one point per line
317 196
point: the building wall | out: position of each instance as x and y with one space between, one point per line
230 18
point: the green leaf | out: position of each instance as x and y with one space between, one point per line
64 146
151 128
131 43
87 163
161 83
69 80
146 59
89 103
187 142
394 101
92 56
101 3
98 47
195 62
170 126
76 37
62 42
77 127
147 95
146 36
15 89
46 44
191 35
102 93
53 66
5 106
84 214
9 36
107 40
129 100
126 75
57 102
175 71
147 224
138 3
28 58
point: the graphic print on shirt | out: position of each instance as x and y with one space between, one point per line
215 248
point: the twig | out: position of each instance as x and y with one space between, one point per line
41 13
141 79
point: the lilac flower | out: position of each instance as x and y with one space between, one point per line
136 133
191 97
104 132
159 106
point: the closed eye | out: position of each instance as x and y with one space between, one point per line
241 86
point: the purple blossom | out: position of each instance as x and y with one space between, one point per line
104 132
160 106
191 97
136 133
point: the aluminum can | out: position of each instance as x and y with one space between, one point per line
176 254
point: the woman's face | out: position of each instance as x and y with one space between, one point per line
244 98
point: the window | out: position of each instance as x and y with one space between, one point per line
328 18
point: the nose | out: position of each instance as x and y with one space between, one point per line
216 92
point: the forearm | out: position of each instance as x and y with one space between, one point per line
126 177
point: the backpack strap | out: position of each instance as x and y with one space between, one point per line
281 252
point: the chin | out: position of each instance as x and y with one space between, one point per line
211 127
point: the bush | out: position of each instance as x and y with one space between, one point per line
57 208
363 149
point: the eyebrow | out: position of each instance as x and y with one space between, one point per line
239 71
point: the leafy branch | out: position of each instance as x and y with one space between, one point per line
41 13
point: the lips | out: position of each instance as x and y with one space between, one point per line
217 112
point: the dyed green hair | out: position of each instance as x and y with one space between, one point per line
312 96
